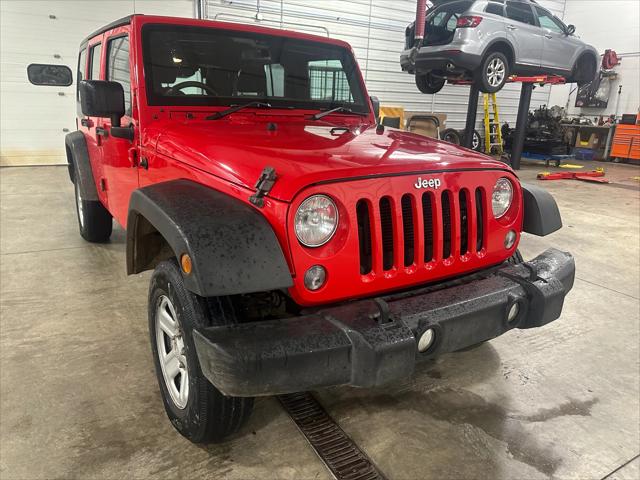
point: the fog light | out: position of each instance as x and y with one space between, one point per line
514 309
426 340
315 277
510 239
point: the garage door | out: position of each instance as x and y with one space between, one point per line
34 120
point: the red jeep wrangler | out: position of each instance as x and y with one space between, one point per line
294 243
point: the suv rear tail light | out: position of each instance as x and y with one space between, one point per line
468 22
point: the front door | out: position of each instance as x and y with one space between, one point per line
524 34
119 155
559 49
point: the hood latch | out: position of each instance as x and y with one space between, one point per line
263 186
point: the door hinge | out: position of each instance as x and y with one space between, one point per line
263 186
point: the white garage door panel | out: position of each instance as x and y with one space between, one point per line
33 119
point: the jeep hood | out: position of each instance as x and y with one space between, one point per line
305 152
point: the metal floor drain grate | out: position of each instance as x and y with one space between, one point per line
334 447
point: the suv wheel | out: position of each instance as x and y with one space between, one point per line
198 410
493 73
94 221
428 83
476 140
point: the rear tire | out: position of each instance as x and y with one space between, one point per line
492 73
94 221
427 83
198 410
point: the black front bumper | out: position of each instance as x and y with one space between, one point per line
371 342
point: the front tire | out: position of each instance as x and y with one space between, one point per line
198 410
492 73
428 83
94 221
584 71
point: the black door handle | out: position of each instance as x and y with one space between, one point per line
85 122
144 163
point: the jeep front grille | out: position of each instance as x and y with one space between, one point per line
445 229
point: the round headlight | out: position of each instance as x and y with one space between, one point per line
316 221
501 197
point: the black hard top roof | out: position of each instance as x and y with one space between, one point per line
116 23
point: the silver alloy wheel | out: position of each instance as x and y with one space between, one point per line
170 343
79 206
495 72
475 141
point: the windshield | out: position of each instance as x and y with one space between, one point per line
209 66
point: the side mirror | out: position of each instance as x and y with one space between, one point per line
376 107
99 98
571 29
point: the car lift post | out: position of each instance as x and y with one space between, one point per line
472 111
521 124
521 119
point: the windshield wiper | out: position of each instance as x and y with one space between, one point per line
229 111
324 113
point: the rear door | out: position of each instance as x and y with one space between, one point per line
91 56
524 34
559 50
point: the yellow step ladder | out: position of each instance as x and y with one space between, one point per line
492 132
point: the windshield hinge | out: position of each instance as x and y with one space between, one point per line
263 186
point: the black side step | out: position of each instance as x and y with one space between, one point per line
334 447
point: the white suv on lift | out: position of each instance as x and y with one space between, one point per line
489 40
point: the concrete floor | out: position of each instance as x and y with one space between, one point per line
79 397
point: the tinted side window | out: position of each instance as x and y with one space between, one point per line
547 20
118 67
495 8
96 53
520 12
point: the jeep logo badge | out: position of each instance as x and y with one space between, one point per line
428 183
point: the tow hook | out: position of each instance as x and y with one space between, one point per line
263 186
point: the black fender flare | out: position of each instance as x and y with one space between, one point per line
80 166
541 214
233 248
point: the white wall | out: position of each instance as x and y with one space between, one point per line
35 119
613 24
